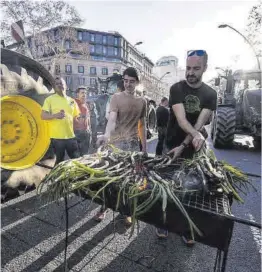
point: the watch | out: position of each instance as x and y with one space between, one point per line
184 144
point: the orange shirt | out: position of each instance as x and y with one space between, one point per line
140 129
84 113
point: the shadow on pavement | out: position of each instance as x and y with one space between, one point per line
99 237
149 253
26 222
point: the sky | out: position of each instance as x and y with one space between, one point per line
173 27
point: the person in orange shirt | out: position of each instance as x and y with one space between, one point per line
82 126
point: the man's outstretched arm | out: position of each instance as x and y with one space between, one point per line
201 121
180 114
111 124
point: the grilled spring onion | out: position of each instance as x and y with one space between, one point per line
138 180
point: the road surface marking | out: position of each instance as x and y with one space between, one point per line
18 222
256 234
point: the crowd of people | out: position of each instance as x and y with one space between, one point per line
180 119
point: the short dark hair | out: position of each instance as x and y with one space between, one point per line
164 99
81 88
132 72
60 78
120 85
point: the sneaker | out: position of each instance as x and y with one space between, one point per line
162 233
189 242
100 216
128 221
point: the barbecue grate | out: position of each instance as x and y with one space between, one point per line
218 203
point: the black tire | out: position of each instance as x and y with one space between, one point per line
151 119
21 75
223 127
24 76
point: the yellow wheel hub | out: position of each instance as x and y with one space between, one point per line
24 136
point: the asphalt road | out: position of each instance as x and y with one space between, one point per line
33 235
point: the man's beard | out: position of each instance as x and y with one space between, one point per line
192 79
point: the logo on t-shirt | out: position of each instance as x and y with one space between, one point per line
192 103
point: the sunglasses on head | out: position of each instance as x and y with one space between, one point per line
199 53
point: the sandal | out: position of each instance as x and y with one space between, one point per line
188 242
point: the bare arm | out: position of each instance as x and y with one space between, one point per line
88 121
143 134
197 138
180 114
111 124
201 121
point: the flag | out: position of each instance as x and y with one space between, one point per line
17 31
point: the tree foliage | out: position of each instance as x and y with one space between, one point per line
254 27
37 16
59 44
45 41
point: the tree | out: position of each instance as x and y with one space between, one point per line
58 45
49 30
254 27
37 16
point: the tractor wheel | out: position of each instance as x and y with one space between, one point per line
151 119
24 136
223 127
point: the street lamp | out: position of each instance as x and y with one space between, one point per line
245 38
138 43
167 73
129 50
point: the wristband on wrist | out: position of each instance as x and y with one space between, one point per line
184 144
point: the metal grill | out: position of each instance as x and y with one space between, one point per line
218 204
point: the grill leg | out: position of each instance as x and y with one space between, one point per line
218 261
223 268
66 235
230 231
218 267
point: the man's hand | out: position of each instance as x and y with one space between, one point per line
59 115
177 151
198 141
102 140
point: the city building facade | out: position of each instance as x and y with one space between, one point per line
107 52
168 71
